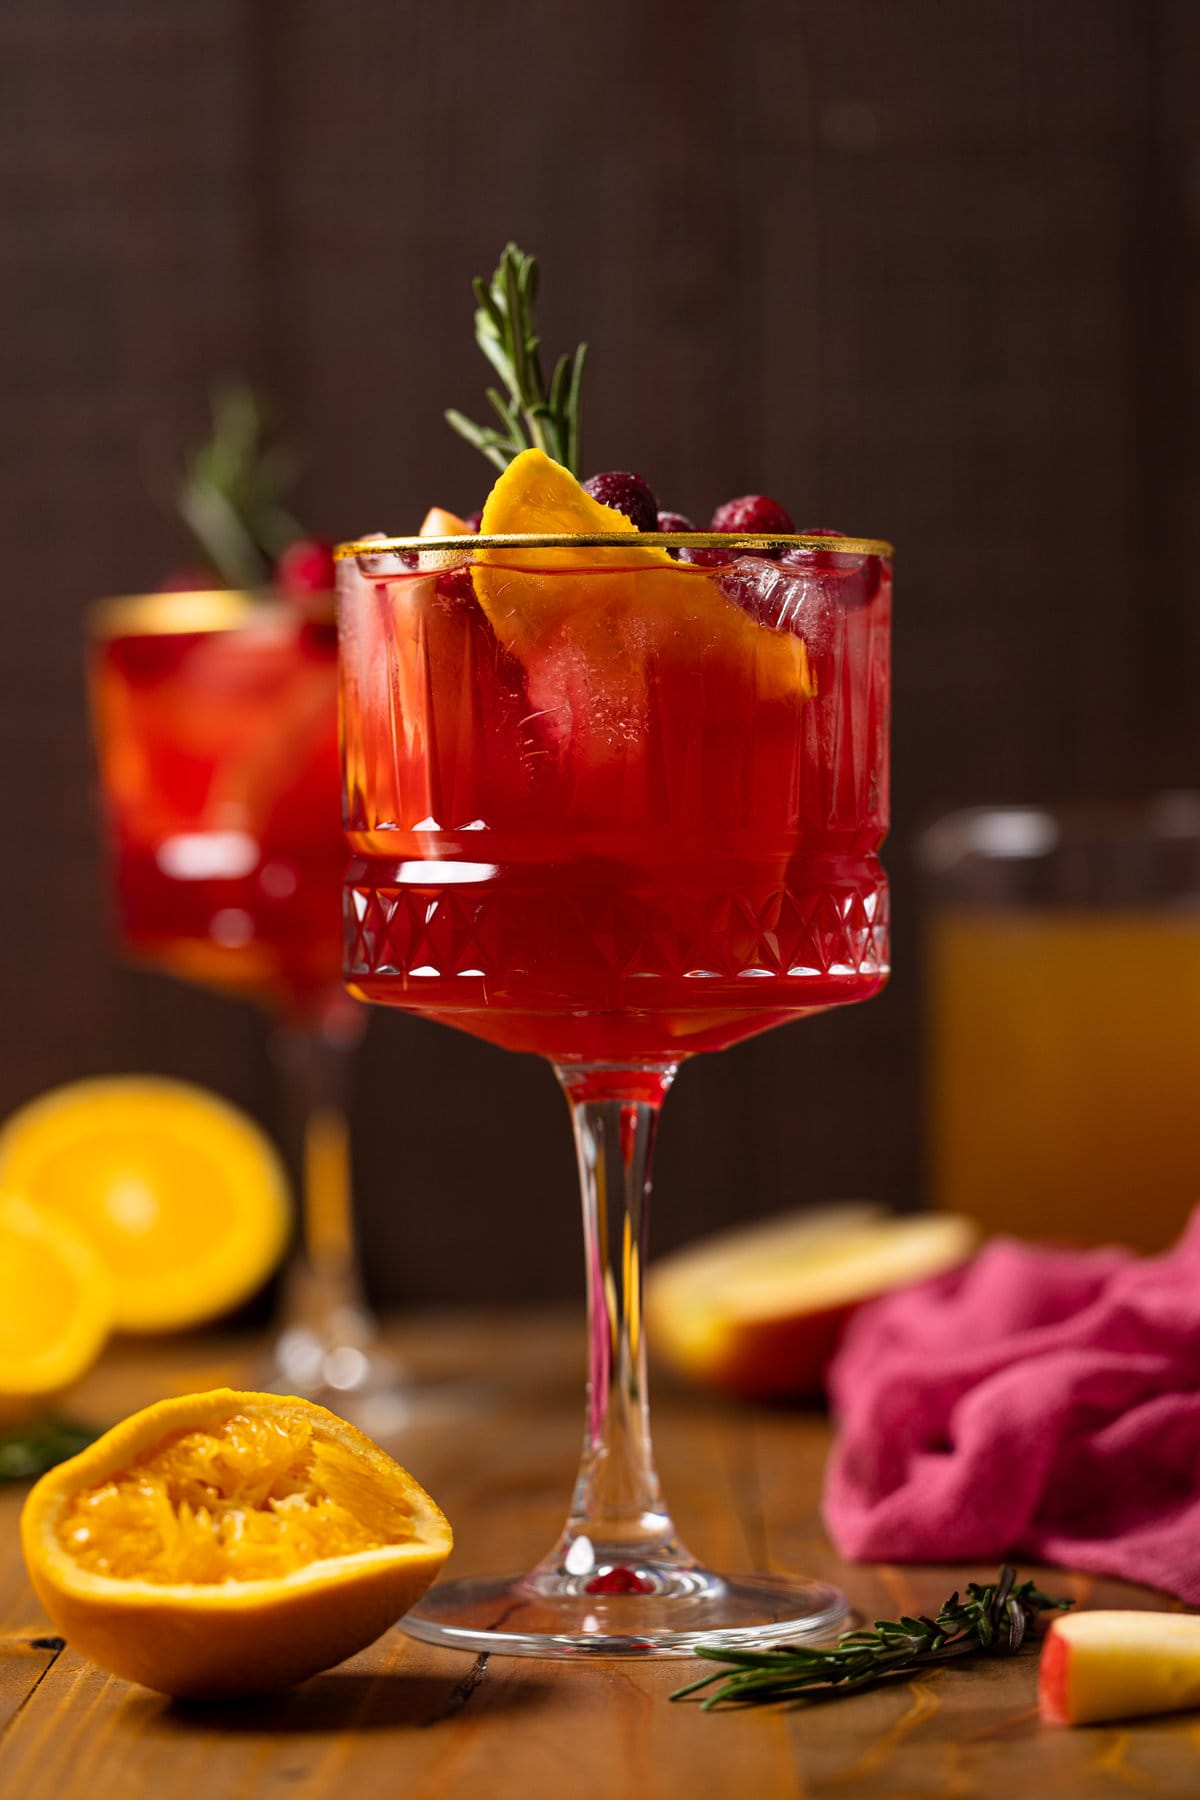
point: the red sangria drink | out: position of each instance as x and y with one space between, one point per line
628 818
215 720
615 791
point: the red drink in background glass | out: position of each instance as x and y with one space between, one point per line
216 728
637 834
215 719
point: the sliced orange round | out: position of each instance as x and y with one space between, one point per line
227 1543
182 1197
55 1306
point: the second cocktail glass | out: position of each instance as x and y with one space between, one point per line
615 809
215 717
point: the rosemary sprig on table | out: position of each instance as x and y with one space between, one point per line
530 414
989 1620
30 1450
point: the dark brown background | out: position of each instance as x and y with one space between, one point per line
921 268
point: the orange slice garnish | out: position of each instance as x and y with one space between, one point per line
623 609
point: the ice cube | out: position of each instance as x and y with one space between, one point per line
782 597
387 562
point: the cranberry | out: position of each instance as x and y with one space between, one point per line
755 513
619 1581
306 567
628 493
474 520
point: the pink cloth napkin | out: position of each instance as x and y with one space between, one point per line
1042 1403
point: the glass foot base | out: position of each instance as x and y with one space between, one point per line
629 1611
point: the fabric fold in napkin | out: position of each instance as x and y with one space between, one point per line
1037 1402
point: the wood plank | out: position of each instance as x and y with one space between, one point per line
24 1661
435 1725
402 1718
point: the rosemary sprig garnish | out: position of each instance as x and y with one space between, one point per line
530 414
231 494
990 1620
32 1449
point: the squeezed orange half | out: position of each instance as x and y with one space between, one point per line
228 1544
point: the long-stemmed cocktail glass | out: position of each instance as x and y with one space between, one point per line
616 808
215 718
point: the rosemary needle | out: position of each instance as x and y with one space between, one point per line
32 1449
529 415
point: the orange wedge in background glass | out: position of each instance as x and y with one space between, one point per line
181 1196
227 1544
55 1307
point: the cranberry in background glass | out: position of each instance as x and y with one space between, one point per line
305 568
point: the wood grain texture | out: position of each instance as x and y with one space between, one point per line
403 1718
924 269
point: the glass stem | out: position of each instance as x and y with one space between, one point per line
323 1308
618 1517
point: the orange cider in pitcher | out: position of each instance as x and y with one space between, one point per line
1064 1047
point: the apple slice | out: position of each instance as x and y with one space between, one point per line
758 1312
1118 1665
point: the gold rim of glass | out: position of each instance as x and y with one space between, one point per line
619 540
184 611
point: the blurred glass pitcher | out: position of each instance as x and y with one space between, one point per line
1064 985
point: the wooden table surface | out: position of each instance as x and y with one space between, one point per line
405 1719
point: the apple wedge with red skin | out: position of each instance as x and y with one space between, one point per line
758 1312
1118 1665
